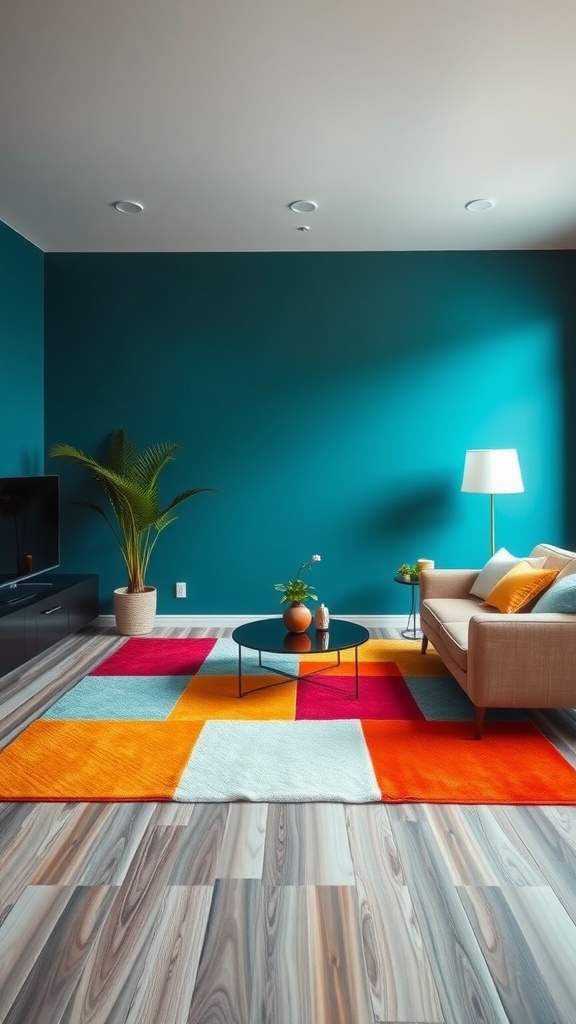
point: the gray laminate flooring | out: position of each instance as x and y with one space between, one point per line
279 913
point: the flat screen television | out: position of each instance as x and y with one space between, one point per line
29 530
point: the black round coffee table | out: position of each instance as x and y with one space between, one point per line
270 636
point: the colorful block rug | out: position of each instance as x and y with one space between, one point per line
160 720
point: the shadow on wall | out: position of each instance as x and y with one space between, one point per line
420 507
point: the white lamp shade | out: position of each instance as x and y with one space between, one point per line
492 471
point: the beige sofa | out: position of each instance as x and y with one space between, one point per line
519 660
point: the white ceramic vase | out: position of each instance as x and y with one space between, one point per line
322 617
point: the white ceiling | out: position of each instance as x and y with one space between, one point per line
215 114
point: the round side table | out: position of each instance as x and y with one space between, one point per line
411 633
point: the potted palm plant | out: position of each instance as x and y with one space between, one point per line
129 480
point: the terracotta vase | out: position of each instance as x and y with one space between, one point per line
297 618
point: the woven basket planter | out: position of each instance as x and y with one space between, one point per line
135 613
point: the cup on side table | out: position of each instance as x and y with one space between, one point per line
424 563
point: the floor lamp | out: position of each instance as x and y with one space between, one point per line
492 471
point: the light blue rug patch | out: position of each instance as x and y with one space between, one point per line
223 660
305 761
141 698
441 699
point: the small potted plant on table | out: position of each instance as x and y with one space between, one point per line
297 617
408 573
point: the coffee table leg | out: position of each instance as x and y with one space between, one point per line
240 694
356 664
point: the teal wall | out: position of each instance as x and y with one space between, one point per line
21 355
329 398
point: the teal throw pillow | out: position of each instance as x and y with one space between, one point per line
560 597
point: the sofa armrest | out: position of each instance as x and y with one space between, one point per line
522 660
446 582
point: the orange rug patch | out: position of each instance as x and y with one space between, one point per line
209 697
97 760
439 762
308 666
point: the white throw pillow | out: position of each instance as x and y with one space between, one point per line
497 567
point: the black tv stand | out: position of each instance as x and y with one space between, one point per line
16 599
43 617
13 594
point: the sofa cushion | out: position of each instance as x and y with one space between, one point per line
497 567
453 609
440 627
556 558
447 618
560 597
519 586
457 634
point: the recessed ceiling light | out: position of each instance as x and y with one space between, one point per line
479 205
303 206
303 227
128 206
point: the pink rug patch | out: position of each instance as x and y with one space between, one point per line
378 697
161 656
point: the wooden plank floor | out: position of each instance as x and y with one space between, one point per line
279 914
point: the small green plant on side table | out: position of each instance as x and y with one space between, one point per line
408 572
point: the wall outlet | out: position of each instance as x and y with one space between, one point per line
180 590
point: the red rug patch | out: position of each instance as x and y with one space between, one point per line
378 697
149 656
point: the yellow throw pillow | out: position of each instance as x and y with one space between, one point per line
520 584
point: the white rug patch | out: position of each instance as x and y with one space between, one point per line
280 762
223 660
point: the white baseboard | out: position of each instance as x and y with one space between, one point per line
231 621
